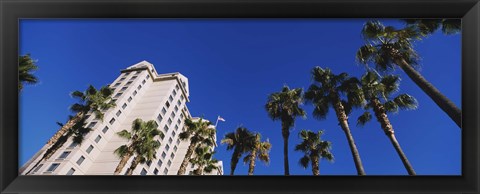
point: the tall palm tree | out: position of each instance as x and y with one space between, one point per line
198 132
285 106
25 67
239 142
429 26
141 141
325 92
388 48
258 150
314 149
92 100
378 89
204 160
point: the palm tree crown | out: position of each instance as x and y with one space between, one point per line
25 67
204 160
258 149
239 142
93 100
314 149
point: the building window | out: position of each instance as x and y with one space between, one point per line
148 76
117 84
129 99
112 121
64 155
92 124
176 127
172 155
119 112
167 104
181 116
144 172
121 79
89 149
192 166
118 95
176 87
98 138
170 98
160 163
143 82
164 110
179 121
123 89
134 92
149 163
170 140
181 97
178 141
176 108
165 171
124 106
162 136
128 73
173 133
105 129
169 163
80 160
139 87
155 171
159 117
169 121
172 115
174 93
73 145
163 155
38 168
179 103
174 148
167 147
165 128
53 167
71 171
134 77
136 73
128 83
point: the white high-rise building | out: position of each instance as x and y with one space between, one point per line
139 92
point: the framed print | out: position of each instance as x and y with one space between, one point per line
224 96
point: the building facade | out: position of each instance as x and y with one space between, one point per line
139 92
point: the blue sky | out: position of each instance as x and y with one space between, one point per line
232 66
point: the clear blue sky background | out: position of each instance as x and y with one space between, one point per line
232 66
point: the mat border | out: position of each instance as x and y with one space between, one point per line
13 10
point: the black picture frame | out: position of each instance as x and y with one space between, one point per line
13 10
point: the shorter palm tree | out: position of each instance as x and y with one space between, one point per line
141 141
26 66
258 150
238 141
198 132
377 89
314 149
204 160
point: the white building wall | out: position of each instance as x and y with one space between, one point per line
139 94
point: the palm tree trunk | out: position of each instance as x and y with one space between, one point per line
252 162
343 120
52 150
133 165
388 129
315 166
186 159
285 134
64 129
442 101
122 163
234 161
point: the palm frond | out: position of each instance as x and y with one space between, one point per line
364 118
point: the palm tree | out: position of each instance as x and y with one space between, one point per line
314 149
325 92
429 26
204 160
258 149
388 48
141 141
376 89
198 132
239 142
25 67
285 106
